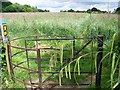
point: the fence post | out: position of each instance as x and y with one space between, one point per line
9 59
98 61
39 68
73 56
74 47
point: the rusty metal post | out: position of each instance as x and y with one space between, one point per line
74 47
28 64
99 62
9 60
39 68
73 52
36 42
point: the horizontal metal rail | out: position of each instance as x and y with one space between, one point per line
35 71
29 49
45 58
25 38
17 53
33 49
58 49
55 37
58 59
40 39
24 82
24 68
62 84
63 72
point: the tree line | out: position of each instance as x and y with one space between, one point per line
10 7
93 10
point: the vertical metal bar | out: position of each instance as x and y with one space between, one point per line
92 62
74 47
9 59
73 55
99 63
36 42
28 64
39 68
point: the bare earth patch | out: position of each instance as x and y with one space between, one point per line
53 85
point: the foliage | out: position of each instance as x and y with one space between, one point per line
3 56
118 10
9 7
5 4
95 10
40 10
19 8
114 57
88 11
116 47
6 79
59 24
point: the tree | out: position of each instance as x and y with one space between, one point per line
89 10
46 10
71 10
78 11
27 6
9 7
63 11
14 8
118 10
20 8
40 10
5 4
94 9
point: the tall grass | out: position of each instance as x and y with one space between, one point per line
60 24
69 25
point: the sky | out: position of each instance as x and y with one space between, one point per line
57 5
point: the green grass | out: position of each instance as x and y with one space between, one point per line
57 25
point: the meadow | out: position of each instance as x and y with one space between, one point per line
68 25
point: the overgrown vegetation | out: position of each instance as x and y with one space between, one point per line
88 11
69 25
10 7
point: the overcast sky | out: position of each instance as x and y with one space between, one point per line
57 5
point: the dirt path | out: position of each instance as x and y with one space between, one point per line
85 81
52 85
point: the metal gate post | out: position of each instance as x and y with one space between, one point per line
39 68
28 64
73 53
74 47
9 59
98 61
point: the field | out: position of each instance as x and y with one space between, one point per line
68 25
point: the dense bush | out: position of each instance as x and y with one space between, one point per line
19 8
9 7
3 57
118 10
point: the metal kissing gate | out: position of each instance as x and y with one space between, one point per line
43 60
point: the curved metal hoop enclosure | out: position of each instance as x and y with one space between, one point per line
34 55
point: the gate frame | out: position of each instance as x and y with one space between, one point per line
98 61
